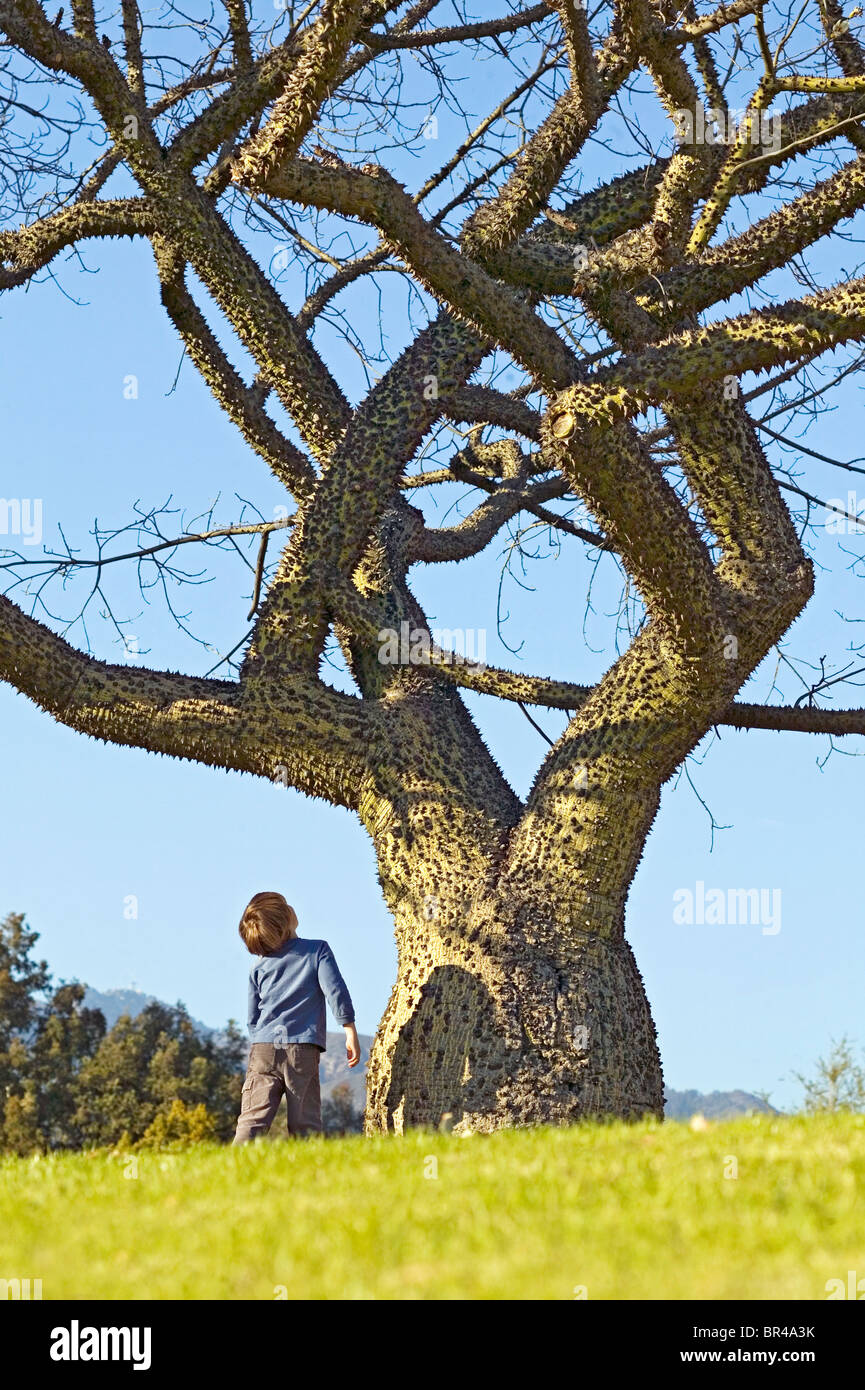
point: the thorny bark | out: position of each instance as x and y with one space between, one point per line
517 998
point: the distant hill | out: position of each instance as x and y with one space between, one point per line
716 1105
678 1105
115 1002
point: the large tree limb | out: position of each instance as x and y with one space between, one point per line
238 400
308 84
30 248
761 556
306 735
801 719
472 405
527 190
395 40
449 543
741 261
265 326
373 196
359 483
546 692
644 522
219 124
683 364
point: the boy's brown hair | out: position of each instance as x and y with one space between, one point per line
267 923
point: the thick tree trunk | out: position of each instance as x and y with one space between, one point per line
497 1033
515 1003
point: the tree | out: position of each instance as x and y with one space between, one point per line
21 1134
66 1036
179 1127
68 1084
338 1113
154 1079
838 1082
22 981
45 1035
565 347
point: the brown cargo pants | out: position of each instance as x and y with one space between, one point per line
272 1072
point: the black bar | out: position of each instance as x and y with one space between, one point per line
255 1340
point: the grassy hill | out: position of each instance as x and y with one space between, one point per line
622 1212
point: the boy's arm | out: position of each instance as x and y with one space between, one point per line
352 1044
253 1004
337 995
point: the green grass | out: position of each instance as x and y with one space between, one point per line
625 1211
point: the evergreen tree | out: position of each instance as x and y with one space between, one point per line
144 1065
67 1083
838 1082
66 1036
23 981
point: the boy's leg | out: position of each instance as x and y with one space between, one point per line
262 1092
302 1091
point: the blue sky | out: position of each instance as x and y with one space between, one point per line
87 827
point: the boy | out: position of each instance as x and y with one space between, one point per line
287 988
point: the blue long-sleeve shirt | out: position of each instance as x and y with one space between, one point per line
287 993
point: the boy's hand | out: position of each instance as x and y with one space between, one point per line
352 1044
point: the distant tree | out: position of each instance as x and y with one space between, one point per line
144 1065
45 1035
838 1082
179 1126
21 1134
66 1036
67 1083
24 985
339 1115
22 982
